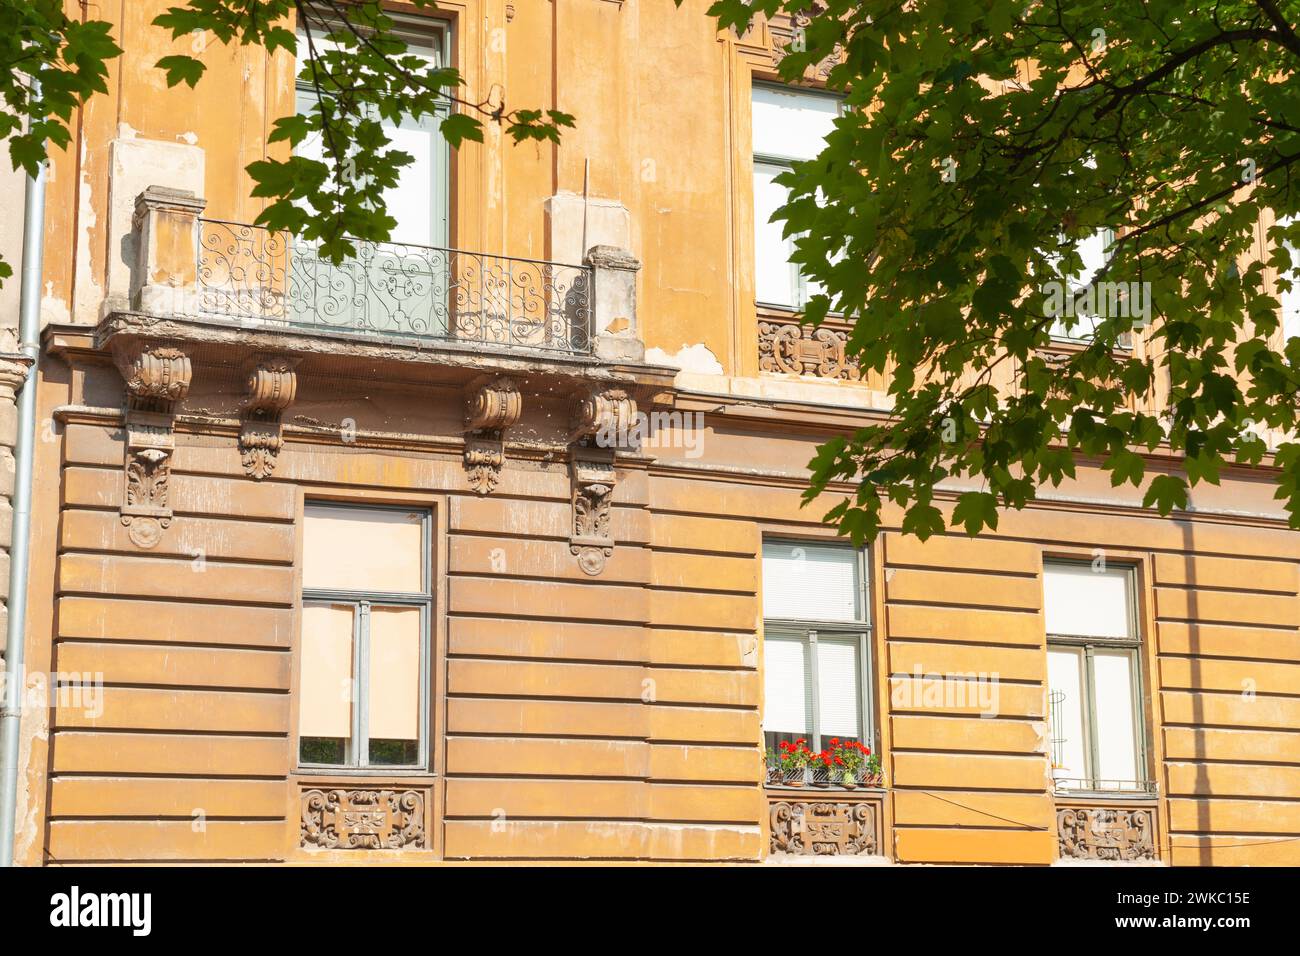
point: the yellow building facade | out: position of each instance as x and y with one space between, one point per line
490 545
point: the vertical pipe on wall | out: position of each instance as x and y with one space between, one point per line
29 329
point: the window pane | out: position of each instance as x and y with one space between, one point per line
791 124
787 684
360 549
803 581
1112 675
1079 600
837 690
774 276
1095 252
393 717
325 704
411 202
1067 708
1291 298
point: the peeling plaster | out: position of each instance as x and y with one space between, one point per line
53 307
87 290
696 358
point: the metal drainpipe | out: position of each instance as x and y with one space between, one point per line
29 330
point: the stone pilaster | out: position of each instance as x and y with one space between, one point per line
13 371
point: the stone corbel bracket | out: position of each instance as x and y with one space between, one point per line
492 405
270 387
157 380
603 424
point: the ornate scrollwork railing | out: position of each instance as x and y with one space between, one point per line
256 275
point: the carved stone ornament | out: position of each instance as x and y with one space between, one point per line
592 540
1120 834
157 380
788 36
491 406
362 819
270 387
157 377
606 415
796 349
824 828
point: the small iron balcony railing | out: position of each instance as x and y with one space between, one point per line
268 278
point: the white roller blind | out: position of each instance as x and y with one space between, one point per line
837 691
791 124
1112 675
394 698
363 549
787 699
812 582
325 705
1065 677
1079 600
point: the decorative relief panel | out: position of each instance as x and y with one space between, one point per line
491 407
363 819
787 35
270 388
796 349
825 827
1124 834
157 380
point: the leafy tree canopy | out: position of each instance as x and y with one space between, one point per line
357 62
981 144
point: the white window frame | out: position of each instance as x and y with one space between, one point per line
356 748
1089 644
808 630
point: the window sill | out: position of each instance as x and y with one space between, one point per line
374 773
791 313
1116 796
816 788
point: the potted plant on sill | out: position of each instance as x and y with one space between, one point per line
871 773
848 758
793 761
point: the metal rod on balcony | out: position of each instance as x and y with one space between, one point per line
393 289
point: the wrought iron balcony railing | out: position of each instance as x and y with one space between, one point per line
255 275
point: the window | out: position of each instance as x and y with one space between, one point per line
1079 321
402 286
788 125
1094 678
419 201
364 654
815 643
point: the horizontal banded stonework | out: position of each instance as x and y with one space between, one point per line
618 716
967 689
184 752
1229 694
609 717
604 718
